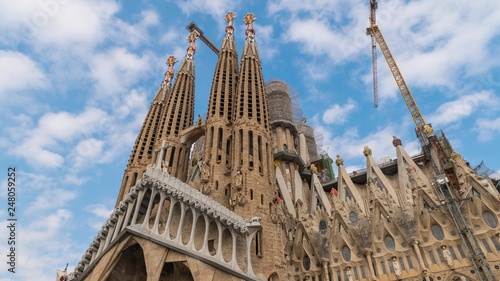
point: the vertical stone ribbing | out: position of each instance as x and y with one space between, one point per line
253 176
142 153
179 115
218 142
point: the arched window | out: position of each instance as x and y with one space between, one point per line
389 243
490 219
353 218
306 262
322 225
437 231
346 253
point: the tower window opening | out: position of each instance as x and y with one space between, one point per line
258 243
219 140
262 199
259 147
250 143
251 194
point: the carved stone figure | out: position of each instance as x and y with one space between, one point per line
238 180
164 166
396 141
232 201
198 122
396 266
339 161
205 172
350 275
313 169
447 256
241 199
367 151
205 189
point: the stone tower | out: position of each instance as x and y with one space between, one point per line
142 153
217 159
178 116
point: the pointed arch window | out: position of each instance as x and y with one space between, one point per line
346 253
437 231
390 244
490 219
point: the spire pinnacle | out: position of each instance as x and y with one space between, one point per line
192 47
250 47
248 20
230 16
169 74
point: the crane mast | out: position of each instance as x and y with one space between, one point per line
438 146
373 20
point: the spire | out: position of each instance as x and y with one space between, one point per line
164 90
179 115
142 153
187 64
228 42
250 48
252 166
218 141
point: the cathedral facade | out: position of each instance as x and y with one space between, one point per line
246 195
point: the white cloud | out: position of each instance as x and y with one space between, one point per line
19 72
59 23
117 69
487 128
338 114
462 107
40 146
136 34
101 214
350 144
214 8
50 199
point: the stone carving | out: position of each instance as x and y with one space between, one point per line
396 141
339 161
367 151
313 169
205 172
350 275
447 256
241 199
164 166
396 266
238 180
205 189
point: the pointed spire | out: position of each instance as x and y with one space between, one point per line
164 89
187 64
228 42
250 48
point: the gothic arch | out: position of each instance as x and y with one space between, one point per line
457 277
178 271
130 266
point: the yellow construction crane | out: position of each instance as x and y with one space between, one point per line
436 147
376 34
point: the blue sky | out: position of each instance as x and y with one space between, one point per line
77 77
